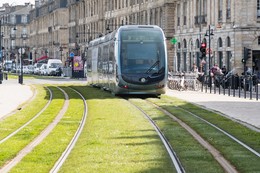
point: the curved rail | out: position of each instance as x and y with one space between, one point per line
27 149
228 167
38 114
175 160
72 143
224 132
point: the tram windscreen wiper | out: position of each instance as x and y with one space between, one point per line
151 68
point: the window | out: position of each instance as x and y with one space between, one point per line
13 21
258 8
24 19
219 42
185 13
178 14
220 6
184 44
228 42
228 9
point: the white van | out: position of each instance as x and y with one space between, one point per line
52 65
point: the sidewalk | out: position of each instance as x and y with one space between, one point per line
12 95
243 110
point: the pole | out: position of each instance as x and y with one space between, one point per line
1 53
210 79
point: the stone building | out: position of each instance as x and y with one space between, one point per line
48 27
89 19
227 27
14 30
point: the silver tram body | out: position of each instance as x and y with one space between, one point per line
130 60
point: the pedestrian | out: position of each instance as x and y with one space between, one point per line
224 70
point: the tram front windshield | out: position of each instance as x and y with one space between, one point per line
142 51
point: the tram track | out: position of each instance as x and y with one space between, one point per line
175 160
232 137
72 143
28 122
227 166
27 149
221 159
235 141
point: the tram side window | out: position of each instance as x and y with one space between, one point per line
111 57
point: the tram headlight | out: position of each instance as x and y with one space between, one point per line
143 80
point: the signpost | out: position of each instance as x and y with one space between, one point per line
173 42
77 66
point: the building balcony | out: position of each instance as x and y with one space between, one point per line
12 36
200 19
24 36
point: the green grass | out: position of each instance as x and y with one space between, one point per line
12 146
43 157
31 76
16 120
116 138
192 155
242 159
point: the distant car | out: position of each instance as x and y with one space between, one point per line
30 69
52 65
43 69
25 70
37 68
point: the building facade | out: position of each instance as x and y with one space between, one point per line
14 28
48 27
89 19
226 26
59 27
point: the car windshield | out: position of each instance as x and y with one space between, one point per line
55 65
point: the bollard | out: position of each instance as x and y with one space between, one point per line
20 79
6 76
1 76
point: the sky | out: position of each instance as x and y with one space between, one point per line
15 2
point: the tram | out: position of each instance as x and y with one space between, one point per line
129 60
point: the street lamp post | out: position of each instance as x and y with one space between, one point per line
20 77
61 49
209 32
1 53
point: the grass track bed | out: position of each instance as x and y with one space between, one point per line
16 120
242 159
12 146
116 138
192 155
44 156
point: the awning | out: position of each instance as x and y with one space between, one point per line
42 58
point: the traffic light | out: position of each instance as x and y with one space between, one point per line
203 49
243 60
247 54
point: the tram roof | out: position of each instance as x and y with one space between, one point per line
111 35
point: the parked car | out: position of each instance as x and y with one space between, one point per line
52 65
43 69
37 68
25 69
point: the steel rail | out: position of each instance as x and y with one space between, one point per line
27 123
175 160
224 132
27 149
72 143
226 165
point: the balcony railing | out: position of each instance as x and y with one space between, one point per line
201 19
12 36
